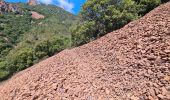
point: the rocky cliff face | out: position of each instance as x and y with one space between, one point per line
32 2
36 15
6 7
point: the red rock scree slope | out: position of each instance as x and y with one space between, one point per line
132 63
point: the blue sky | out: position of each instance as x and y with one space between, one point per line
72 6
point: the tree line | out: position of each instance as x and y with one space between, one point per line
99 17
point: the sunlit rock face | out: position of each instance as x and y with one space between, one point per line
32 2
36 15
7 7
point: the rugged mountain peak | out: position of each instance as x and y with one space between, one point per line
7 7
32 2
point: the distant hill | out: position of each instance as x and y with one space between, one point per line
31 33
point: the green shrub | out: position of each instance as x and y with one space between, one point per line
3 75
99 17
164 1
148 5
3 70
58 44
83 33
20 60
25 56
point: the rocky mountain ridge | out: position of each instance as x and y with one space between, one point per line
32 2
7 7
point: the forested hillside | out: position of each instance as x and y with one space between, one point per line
99 17
25 40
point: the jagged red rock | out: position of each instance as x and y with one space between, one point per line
32 2
36 15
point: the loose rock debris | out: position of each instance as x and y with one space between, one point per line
132 63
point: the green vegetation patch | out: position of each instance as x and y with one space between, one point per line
25 41
99 17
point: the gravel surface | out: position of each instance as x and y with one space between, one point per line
132 63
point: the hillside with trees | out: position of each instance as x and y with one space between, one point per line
99 17
25 40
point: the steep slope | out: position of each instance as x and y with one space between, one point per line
130 63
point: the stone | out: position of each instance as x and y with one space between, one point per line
151 57
152 93
153 38
167 51
164 91
155 85
143 51
151 98
134 98
111 99
161 96
35 97
168 88
107 91
142 98
26 94
160 75
100 98
36 15
168 96
157 91
54 86
167 78
149 71
128 95
139 46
